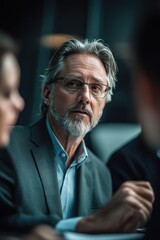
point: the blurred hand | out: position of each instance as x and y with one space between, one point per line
43 232
129 209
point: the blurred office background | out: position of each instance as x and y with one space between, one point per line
41 26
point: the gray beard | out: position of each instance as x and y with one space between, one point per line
75 128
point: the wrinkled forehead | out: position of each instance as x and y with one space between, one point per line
84 64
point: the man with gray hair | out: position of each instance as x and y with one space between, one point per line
52 177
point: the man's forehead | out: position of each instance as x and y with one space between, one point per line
84 61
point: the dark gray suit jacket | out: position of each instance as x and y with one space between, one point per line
29 192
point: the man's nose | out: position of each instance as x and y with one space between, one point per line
84 94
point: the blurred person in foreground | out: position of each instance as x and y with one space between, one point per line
139 159
11 104
146 86
52 177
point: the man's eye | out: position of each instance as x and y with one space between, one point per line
73 84
96 88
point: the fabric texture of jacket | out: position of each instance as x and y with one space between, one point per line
29 192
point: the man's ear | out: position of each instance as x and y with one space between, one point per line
46 95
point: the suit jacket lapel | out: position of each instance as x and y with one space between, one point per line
42 151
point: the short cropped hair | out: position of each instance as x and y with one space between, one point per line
93 47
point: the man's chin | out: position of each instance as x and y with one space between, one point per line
78 118
79 129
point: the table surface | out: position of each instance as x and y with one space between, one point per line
80 236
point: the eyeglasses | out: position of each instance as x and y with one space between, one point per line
73 85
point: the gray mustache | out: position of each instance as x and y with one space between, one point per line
81 107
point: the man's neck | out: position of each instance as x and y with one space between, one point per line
70 143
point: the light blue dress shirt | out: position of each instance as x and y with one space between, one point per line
67 180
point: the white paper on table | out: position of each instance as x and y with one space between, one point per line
121 236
